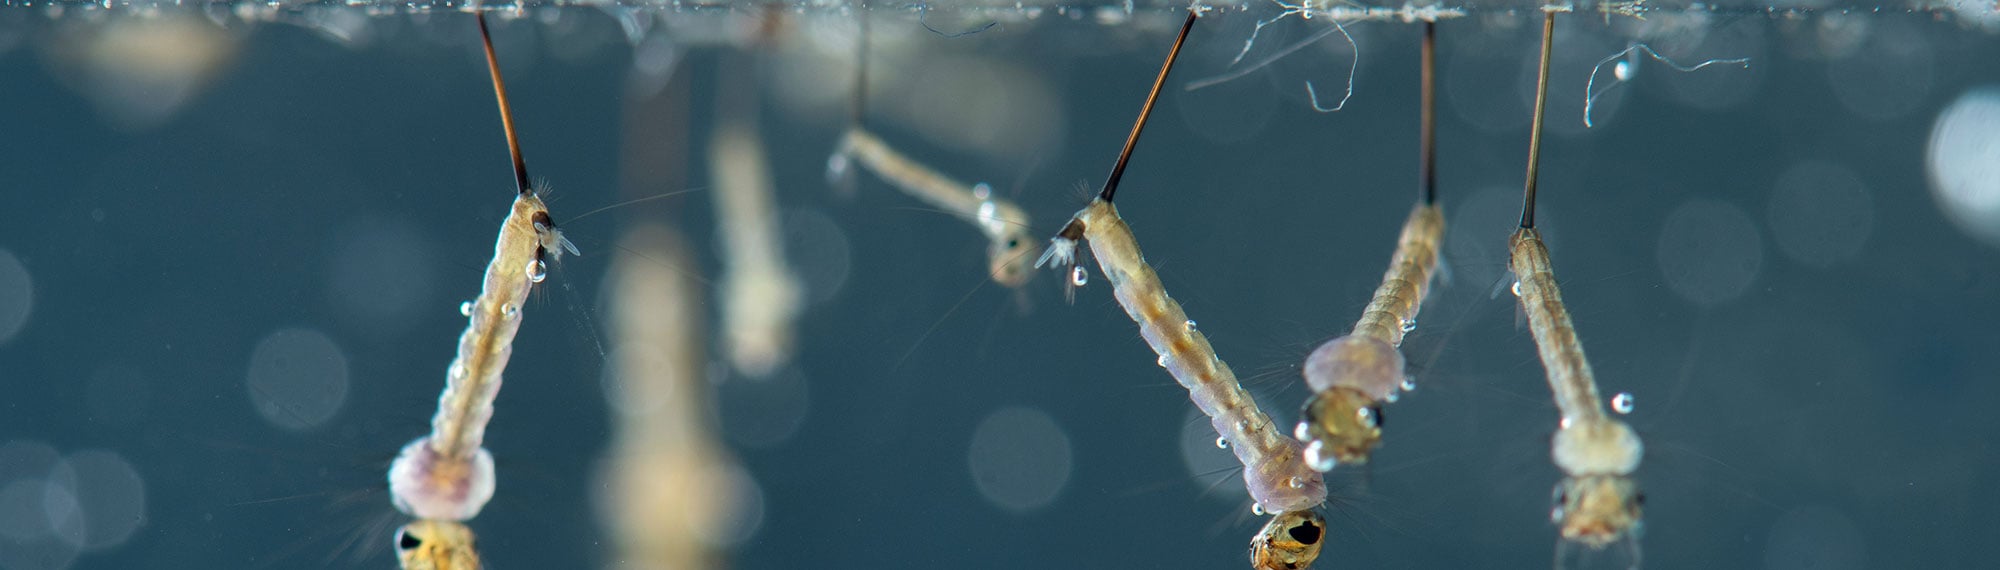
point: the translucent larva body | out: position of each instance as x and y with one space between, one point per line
1009 250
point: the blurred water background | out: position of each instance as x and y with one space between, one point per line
237 237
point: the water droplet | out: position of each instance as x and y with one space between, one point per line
1190 325
1409 325
1302 432
1622 403
1222 443
1079 276
1296 483
537 271
1409 384
510 311
1257 509
1317 458
465 308
1516 288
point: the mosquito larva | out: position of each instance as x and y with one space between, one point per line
1597 501
667 489
1354 375
760 294
1009 247
446 477
1271 462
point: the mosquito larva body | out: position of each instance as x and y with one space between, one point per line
1353 376
1597 502
1290 541
436 545
1273 468
666 488
761 296
1273 465
1009 250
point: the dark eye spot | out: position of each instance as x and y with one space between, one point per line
1639 499
406 541
1377 409
1307 534
1013 243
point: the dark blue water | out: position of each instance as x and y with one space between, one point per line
228 292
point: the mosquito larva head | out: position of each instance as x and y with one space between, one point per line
1340 424
548 236
436 545
1289 542
427 484
1011 258
1597 510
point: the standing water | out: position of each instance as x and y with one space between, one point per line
247 236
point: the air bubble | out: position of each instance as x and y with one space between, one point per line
1302 432
1564 424
1242 426
537 271
1295 483
509 310
989 213
1409 384
1079 276
1409 325
1622 71
1222 443
1317 457
1622 403
1164 361
836 169
1390 397
1516 288
465 308
1257 509
1367 415
983 192
1190 325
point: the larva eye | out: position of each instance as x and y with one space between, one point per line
405 541
1306 533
